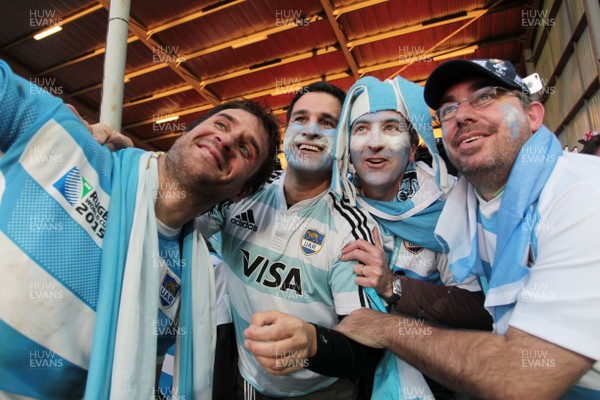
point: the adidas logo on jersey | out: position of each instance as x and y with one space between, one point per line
245 220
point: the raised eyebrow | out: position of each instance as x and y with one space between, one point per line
472 87
399 120
251 139
358 121
227 116
298 112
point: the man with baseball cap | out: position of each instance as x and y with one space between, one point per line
512 221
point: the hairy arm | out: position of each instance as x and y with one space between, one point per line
283 344
483 364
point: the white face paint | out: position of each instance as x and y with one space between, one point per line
380 149
309 138
308 147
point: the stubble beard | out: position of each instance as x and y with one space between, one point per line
196 188
490 174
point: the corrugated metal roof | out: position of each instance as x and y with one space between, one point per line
246 48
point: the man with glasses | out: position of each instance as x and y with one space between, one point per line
512 221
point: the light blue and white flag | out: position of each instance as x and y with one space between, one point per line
123 357
457 227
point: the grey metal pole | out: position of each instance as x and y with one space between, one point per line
114 64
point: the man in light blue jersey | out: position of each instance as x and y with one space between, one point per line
81 226
286 283
511 221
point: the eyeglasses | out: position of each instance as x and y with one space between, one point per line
477 99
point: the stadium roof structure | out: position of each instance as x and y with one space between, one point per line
185 56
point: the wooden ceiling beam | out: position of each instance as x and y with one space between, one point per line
356 6
235 74
198 84
341 38
62 21
251 95
172 62
151 31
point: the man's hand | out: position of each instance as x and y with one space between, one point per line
367 327
104 134
280 342
373 269
109 137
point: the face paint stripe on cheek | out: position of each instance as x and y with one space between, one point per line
359 142
512 119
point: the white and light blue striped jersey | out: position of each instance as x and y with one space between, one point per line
288 259
55 185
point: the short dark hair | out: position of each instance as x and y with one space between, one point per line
316 87
591 145
271 125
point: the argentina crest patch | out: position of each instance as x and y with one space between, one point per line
312 241
413 248
169 290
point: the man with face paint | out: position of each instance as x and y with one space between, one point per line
382 122
512 222
282 250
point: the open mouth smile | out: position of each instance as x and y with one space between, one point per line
310 147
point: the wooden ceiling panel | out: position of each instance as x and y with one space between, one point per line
193 52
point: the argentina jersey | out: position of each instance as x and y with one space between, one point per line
288 259
59 181
55 186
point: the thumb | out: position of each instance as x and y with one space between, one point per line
377 238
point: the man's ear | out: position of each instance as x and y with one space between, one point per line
536 115
413 152
243 193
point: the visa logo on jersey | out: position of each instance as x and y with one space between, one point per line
273 275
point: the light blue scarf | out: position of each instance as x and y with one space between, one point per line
123 357
413 219
394 377
457 226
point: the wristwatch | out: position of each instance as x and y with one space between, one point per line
396 291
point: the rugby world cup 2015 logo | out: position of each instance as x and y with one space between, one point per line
87 202
73 186
312 241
